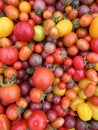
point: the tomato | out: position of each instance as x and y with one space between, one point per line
8 55
66 77
12 112
10 72
93 28
6 30
27 113
68 62
47 14
75 103
81 32
20 125
94 45
73 50
4 122
64 26
24 17
39 33
81 94
85 20
73 14
37 120
13 2
1 5
36 95
10 94
58 91
25 6
78 62
25 53
24 31
79 75
49 23
11 12
61 85
92 75
5 42
43 78
58 15
71 94
22 102
59 55
58 122
84 111
94 110
18 65
93 100
65 102
70 39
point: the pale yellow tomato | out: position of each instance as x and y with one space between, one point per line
94 110
93 28
64 27
75 102
6 26
81 94
84 111
39 33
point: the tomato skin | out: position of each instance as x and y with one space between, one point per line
41 82
24 31
1 5
73 14
8 55
78 75
13 91
92 57
58 122
1 109
37 120
94 45
20 125
4 122
93 100
78 62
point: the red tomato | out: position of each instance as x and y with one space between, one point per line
73 14
94 100
37 121
43 78
4 122
8 55
1 5
92 57
78 62
59 55
24 31
1 109
10 94
20 125
94 45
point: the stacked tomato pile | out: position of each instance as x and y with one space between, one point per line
49 65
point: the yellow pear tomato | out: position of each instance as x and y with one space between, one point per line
93 28
6 26
84 111
64 26
94 111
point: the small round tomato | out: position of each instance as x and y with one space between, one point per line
6 30
94 100
25 6
22 102
65 102
13 2
64 26
94 45
84 111
8 55
20 125
92 57
43 78
24 31
58 122
37 120
36 95
39 33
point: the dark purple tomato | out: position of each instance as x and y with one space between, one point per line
51 115
80 125
58 72
21 73
93 124
56 99
46 106
35 106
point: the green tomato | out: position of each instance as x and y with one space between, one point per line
39 33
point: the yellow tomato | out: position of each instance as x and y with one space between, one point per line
39 33
64 27
75 102
6 26
81 94
84 111
93 28
96 66
94 110
59 92
72 129
84 82
24 6
76 88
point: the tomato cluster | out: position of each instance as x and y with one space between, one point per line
49 64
